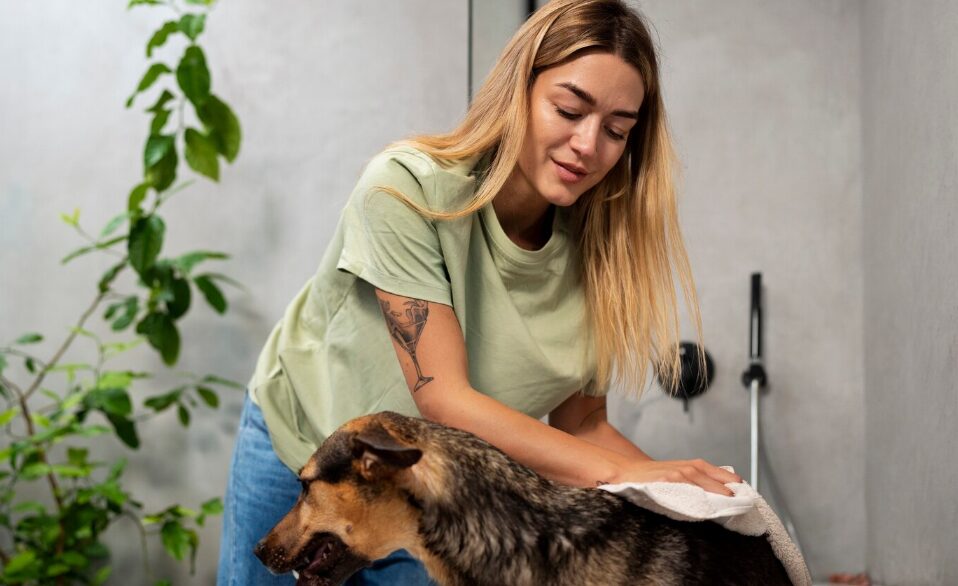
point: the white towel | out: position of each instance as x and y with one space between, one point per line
745 512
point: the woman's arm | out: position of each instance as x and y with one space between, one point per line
587 418
431 350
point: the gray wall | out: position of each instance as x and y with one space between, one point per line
319 88
768 103
911 278
763 99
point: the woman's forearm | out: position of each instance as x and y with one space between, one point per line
552 453
605 435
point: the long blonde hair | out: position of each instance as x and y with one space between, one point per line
627 226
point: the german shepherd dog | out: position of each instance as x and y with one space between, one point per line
475 517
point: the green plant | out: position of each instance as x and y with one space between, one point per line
59 541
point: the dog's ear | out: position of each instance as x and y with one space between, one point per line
379 455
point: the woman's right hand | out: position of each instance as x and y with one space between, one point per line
695 472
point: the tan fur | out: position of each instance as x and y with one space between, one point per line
475 517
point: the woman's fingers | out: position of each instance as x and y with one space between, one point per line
716 473
707 482
699 473
695 472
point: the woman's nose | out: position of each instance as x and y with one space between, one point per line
585 138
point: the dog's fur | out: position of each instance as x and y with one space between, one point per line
476 517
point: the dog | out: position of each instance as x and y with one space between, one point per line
476 517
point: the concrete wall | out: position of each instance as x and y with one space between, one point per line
910 57
319 88
763 99
768 103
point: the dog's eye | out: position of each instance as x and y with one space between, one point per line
305 486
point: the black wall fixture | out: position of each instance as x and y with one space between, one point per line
694 377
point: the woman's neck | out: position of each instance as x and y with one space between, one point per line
524 215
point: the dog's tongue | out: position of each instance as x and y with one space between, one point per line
321 557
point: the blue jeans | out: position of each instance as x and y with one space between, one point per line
260 491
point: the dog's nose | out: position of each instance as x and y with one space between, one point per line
260 550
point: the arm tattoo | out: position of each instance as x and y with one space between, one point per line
406 328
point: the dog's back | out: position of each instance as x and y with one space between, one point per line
504 524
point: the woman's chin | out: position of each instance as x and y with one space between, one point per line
561 198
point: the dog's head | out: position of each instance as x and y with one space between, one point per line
358 502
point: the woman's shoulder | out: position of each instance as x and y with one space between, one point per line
441 182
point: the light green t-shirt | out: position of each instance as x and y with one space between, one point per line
522 312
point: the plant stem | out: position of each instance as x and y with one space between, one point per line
9 384
147 571
51 477
21 354
66 344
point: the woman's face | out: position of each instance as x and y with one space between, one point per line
580 115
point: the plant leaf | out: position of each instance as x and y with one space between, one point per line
164 401
193 76
176 539
24 564
29 338
85 249
8 415
102 575
114 223
125 430
209 396
112 401
201 154
160 36
192 25
137 195
159 121
212 378
162 334
131 306
183 414
157 147
110 275
71 471
165 97
180 304
185 262
73 220
224 127
34 471
146 240
213 506
161 175
149 78
212 293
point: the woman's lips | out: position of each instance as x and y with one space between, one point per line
566 174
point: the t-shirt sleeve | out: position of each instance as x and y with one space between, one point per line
387 243
592 389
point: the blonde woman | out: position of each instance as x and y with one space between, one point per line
487 278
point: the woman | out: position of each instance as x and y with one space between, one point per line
509 266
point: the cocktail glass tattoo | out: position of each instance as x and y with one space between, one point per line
406 328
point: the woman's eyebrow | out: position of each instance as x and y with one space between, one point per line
589 99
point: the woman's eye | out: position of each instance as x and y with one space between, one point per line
615 134
569 115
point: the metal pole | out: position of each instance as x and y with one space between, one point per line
753 428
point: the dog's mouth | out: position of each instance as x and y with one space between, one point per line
327 561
